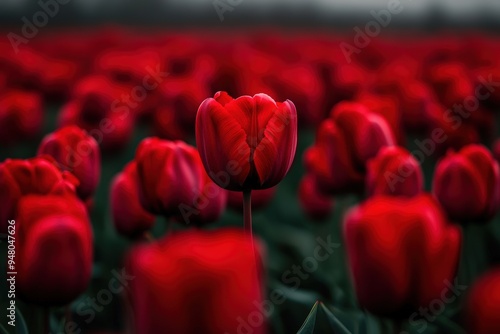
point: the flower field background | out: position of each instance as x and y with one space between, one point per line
308 281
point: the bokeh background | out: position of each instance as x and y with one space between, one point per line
172 27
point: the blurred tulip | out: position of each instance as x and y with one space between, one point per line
207 275
467 184
129 217
344 143
168 174
260 198
316 205
105 109
496 150
401 252
38 175
483 304
394 171
54 255
248 142
21 115
77 152
173 182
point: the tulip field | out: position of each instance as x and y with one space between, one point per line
252 182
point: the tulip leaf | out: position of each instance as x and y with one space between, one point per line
337 326
21 327
310 322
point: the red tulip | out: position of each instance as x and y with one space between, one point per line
206 275
129 217
54 249
316 205
467 184
172 182
496 150
401 253
344 143
248 142
483 304
394 171
105 109
169 175
260 198
38 175
77 152
21 114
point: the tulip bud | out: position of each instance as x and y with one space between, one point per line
394 171
129 217
172 182
33 176
210 276
483 304
467 184
77 152
316 205
54 240
401 253
260 199
168 175
248 142
344 143
21 115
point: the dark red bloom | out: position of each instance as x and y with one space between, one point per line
248 142
344 143
209 275
21 114
467 184
401 253
394 171
173 182
77 152
54 249
260 198
129 217
105 109
483 304
38 175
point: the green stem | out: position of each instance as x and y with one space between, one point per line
247 212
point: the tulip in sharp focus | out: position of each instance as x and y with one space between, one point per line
129 217
77 152
246 143
467 184
54 249
394 171
196 282
483 304
402 252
